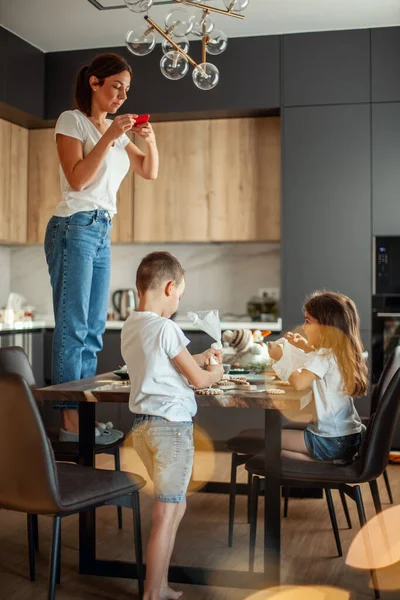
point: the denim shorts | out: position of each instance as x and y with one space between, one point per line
166 450
333 448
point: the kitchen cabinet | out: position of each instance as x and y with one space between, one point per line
44 190
43 182
326 237
385 51
330 67
245 180
385 164
13 182
250 63
219 180
175 207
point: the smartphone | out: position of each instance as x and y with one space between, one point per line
141 119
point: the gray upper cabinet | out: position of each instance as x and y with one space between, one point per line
21 74
331 67
326 224
386 168
385 53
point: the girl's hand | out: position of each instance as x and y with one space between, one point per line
297 340
275 351
216 354
145 132
217 372
120 125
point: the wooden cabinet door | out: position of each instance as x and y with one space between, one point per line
174 208
122 229
5 162
18 184
43 182
245 179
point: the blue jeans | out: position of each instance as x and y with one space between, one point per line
78 256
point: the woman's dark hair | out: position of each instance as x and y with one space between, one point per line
102 66
339 324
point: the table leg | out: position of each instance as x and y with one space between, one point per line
87 519
272 501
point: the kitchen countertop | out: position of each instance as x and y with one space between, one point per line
45 322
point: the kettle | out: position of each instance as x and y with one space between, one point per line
124 301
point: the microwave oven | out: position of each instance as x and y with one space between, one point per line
386 265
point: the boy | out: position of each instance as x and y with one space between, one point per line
160 369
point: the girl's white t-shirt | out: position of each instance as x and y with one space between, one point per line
335 410
101 192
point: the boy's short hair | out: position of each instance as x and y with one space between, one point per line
156 268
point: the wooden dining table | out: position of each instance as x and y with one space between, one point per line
109 388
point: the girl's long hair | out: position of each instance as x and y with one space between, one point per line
102 66
340 332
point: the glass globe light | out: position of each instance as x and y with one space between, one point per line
174 65
179 21
182 42
236 5
139 6
203 25
139 42
217 42
205 76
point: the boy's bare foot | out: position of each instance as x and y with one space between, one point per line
169 594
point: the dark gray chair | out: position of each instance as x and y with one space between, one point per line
32 482
369 465
251 442
14 360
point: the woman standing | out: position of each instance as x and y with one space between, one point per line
95 154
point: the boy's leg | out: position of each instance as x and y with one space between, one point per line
166 592
159 547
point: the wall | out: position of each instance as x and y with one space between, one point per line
5 259
222 276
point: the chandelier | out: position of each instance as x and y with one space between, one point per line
179 23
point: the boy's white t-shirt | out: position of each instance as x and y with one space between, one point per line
148 345
101 192
336 414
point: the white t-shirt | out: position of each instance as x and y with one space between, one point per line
148 345
336 414
101 192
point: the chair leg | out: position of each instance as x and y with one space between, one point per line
345 508
36 531
137 532
117 462
249 482
332 515
232 498
54 557
388 488
373 486
361 515
58 581
255 491
30 524
286 491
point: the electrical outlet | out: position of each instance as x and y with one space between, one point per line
273 293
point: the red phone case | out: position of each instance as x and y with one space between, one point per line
141 119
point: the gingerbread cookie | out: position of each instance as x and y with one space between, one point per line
283 383
275 392
209 392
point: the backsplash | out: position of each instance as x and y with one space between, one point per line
222 276
5 260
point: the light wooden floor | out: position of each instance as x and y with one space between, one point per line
309 554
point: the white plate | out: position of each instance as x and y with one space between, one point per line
258 378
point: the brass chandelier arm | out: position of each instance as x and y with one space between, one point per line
211 8
171 41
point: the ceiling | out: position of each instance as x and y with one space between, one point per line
53 25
